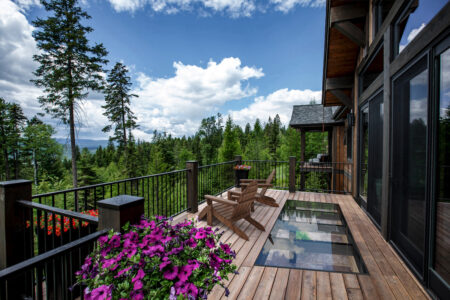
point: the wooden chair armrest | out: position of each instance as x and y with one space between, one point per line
234 193
248 181
265 185
221 200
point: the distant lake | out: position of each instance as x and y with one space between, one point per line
92 145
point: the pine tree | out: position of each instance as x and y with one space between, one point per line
69 66
230 145
17 122
45 152
4 135
117 107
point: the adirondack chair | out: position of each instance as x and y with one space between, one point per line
261 197
230 211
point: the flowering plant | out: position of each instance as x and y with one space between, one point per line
156 259
242 167
63 222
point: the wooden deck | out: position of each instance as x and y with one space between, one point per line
388 277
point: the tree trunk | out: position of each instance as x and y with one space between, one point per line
123 126
35 168
16 164
74 154
5 155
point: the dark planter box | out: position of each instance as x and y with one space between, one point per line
238 175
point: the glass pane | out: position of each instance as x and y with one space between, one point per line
442 238
376 115
420 13
306 237
409 161
363 183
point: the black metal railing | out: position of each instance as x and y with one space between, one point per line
323 177
50 275
261 169
164 193
215 179
47 227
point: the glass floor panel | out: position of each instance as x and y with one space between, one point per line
310 216
311 239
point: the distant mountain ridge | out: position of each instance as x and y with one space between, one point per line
92 145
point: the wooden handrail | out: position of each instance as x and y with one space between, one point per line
58 211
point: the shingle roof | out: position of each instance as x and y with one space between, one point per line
312 114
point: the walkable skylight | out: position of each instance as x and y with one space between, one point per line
312 236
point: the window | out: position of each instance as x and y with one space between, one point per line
412 20
349 136
442 241
381 9
364 175
372 69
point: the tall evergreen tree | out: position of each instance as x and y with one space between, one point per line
69 65
4 135
117 107
17 121
230 145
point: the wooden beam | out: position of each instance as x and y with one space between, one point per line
342 97
346 13
351 31
339 83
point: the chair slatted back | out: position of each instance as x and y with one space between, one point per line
245 201
268 181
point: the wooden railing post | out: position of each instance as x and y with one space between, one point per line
12 221
292 163
14 246
117 211
238 159
192 185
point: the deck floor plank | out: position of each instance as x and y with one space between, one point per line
280 284
323 286
265 284
294 286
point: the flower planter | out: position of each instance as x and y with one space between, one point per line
238 175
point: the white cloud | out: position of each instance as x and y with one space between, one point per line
17 47
287 5
233 8
177 104
415 32
279 102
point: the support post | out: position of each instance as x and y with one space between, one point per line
12 221
192 185
14 240
114 213
292 163
386 137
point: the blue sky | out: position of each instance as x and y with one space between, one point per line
188 59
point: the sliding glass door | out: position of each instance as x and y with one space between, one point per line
409 163
375 156
440 254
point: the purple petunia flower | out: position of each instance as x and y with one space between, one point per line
137 285
103 292
165 263
210 243
122 271
185 272
172 273
191 243
140 274
200 234
115 241
226 248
